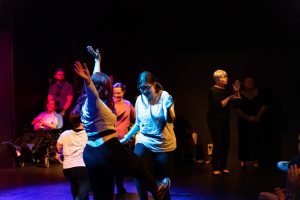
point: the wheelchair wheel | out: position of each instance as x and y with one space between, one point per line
20 162
47 160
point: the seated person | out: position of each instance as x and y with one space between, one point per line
45 121
292 190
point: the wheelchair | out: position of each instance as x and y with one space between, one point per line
45 149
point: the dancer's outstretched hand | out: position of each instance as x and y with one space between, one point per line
96 54
83 72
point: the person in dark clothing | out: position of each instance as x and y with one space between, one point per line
250 109
219 102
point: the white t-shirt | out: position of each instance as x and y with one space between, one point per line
156 134
73 146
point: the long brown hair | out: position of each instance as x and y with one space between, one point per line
104 87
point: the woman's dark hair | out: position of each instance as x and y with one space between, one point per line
148 77
104 87
120 85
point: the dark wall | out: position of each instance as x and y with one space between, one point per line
181 43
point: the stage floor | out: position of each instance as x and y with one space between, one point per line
192 181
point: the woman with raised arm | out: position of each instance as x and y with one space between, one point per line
219 104
104 155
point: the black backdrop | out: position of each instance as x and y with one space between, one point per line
181 42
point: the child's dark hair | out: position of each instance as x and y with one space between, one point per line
75 119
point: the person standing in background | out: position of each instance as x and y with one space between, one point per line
61 91
125 117
219 105
250 109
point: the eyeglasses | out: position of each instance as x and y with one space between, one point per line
145 87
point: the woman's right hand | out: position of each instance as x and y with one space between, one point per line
96 55
83 72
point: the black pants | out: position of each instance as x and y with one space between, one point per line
220 133
159 163
80 185
111 159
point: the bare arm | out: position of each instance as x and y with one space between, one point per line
49 125
262 110
225 101
67 104
133 131
170 115
59 149
242 114
96 55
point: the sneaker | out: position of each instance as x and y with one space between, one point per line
283 165
161 188
121 190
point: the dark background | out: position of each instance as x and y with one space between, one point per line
182 42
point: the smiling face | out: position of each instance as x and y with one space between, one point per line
147 84
118 94
147 90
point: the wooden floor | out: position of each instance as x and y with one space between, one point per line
192 181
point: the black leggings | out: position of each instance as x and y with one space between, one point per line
159 163
111 159
79 180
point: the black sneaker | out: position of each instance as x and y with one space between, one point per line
161 188
121 190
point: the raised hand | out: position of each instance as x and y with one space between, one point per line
83 72
96 55
236 86
293 181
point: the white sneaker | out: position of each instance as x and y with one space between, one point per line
283 165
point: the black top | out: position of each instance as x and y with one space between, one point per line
215 97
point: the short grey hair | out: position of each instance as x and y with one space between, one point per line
218 74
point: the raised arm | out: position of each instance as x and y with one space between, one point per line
96 55
91 91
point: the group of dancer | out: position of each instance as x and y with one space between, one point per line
102 117
102 154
